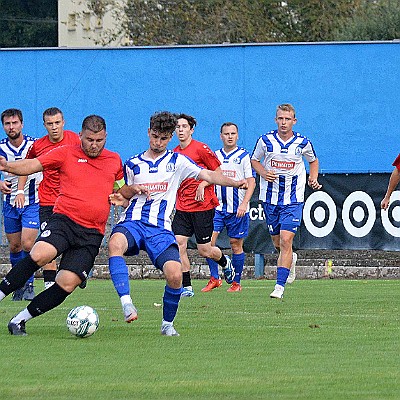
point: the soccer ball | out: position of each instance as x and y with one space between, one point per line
82 321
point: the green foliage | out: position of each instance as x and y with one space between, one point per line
28 23
328 339
372 21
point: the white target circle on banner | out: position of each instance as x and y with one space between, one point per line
319 214
358 213
395 211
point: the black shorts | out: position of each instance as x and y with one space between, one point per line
45 212
78 245
198 223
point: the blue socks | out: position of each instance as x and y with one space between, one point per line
15 257
119 275
282 274
238 263
170 303
213 268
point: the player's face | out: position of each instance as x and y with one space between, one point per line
93 143
54 125
285 121
229 136
158 141
13 127
183 130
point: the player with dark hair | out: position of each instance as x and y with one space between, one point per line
278 159
88 173
49 188
146 225
20 203
195 205
233 210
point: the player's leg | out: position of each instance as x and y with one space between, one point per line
203 223
120 241
237 229
182 226
169 262
50 269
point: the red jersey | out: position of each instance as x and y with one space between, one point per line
49 188
85 183
203 156
396 162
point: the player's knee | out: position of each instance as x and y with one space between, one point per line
117 244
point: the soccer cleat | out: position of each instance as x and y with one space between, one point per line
228 271
17 329
278 292
187 292
130 312
29 292
212 284
18 295
168 330
292 273
235 287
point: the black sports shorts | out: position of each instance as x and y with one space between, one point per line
199 223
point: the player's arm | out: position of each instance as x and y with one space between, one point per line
20 196
242 209
203 184
216 178
393 182
21 167
313 176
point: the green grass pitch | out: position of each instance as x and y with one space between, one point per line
327 339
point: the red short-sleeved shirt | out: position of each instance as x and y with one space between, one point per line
85 183
49 188
203 156
396 162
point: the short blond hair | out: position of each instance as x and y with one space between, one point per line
286 107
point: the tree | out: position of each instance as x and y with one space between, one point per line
374 20
28 23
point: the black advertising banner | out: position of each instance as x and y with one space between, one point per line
344 214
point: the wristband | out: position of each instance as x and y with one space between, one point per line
19 192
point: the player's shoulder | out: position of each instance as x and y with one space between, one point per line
30 138
301 136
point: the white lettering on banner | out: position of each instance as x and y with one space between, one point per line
257 213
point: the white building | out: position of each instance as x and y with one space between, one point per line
85 23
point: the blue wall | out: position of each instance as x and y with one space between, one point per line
346 94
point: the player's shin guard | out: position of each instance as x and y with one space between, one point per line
213 268
18 275
47 300
282 274
170 302
238 264
119 275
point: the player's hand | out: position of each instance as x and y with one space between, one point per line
242 184
313 183
118 200
241 210
199 193
5 186
139 189
19 201
270 175
385 203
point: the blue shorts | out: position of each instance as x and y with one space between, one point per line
283 218
17 218
150 238
236 228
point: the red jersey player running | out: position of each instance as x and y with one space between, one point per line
195 205
49 188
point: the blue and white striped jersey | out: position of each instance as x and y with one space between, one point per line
235 165
286 158
12 153
162 177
